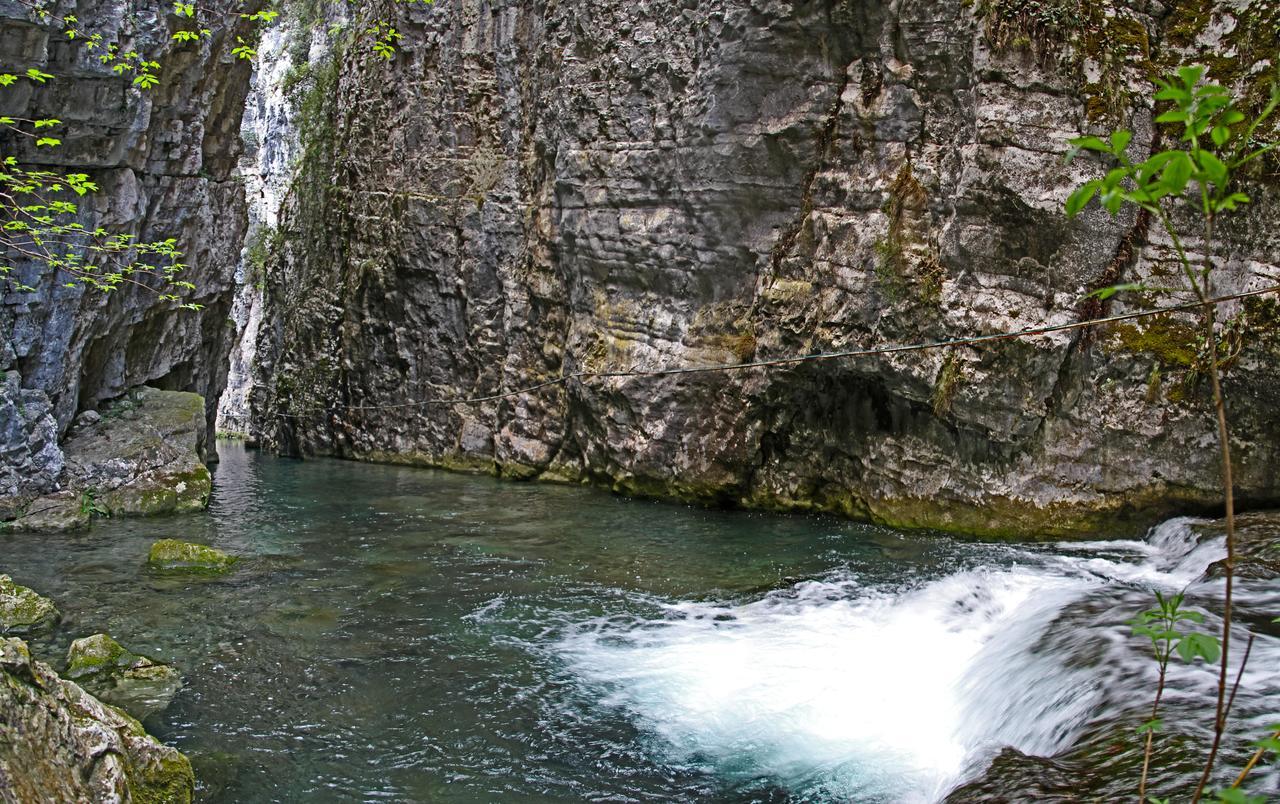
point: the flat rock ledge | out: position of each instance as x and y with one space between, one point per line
142 455
59 743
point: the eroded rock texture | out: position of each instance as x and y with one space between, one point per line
164 160
58 743
530 189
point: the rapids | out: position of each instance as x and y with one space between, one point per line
408 635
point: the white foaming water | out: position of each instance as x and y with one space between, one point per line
834 690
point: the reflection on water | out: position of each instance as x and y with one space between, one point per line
399 634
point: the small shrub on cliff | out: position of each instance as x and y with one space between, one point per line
43 228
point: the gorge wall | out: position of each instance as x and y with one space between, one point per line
532 189
165 161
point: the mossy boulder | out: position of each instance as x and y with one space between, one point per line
23 611
172 555
59 743
138 684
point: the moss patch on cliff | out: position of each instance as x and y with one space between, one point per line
1079 37
1174 343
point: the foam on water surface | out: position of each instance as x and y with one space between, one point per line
832 688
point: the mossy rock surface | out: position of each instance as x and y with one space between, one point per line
23 611
137 684
97 654
60 743
172 555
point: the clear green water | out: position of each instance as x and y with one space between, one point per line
398 634
350 657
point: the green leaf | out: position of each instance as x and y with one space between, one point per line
1102 294
1213 168
1120 140
1220 135
1177 172
1190 75
1112 201
1173 116
1089 144
1234 795
1081 197
1199 645
1155 724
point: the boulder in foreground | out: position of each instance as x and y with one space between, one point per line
59 743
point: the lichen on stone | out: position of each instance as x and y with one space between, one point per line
23 611
177 556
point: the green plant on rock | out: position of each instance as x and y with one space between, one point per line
1192 179
89 505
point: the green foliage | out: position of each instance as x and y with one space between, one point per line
42 225
1200 171
1215 140
89 505
1162 626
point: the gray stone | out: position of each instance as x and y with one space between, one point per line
138 684
559 193
59 743
144 456
164 161
23 611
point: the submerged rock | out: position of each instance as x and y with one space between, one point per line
138 684
59 743
175 556
23 611
1257 545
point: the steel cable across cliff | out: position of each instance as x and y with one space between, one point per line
888 349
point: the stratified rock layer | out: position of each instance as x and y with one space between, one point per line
58 743
529 190
164 160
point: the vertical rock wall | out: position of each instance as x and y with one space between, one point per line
533 189
165 160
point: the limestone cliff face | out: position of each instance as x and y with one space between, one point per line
164 160
536 188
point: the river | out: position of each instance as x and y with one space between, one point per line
399 634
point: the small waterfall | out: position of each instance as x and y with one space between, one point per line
835 689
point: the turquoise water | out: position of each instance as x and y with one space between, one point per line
409 635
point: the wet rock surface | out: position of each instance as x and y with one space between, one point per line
58 743
23 611
600 187
1257 545
138 684
171 555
